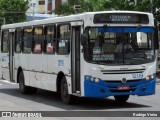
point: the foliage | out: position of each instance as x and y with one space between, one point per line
146 6
156 9
13 10
101 5
68 8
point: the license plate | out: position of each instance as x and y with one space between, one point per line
123 87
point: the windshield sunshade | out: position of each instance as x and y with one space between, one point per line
130 29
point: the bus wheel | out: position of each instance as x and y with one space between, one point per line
121 98
66 98
22 87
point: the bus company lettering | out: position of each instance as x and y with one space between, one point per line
60 62
103 57
145 115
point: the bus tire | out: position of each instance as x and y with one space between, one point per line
23 88
66 98
121 98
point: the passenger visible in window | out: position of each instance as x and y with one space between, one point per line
123 44
18 47
50 48
37 48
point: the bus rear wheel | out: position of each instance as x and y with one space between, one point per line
121 98
23 88
66 98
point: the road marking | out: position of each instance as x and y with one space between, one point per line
5 81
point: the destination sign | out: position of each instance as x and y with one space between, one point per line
121 18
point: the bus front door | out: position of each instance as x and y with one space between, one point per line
11 54
75 59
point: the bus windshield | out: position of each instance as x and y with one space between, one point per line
119 45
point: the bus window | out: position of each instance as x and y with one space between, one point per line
50 40
38 38
18 41
27 40
4 43
63 36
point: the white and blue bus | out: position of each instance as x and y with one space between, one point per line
93 54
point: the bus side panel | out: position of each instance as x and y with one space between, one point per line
82 72
52 64
34 80
5 65
48 81
16 59
48 77
35 68
5 73
56 64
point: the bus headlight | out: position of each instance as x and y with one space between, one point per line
150 77
96 80
93 79
147 78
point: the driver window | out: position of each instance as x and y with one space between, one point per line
96 41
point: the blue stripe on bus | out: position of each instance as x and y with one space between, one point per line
104 89
128 29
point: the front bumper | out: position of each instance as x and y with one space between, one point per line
104 89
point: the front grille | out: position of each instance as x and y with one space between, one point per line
129 71
118 81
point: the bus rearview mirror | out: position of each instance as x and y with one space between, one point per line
156 39
83 38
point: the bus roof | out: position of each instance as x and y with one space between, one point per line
60 19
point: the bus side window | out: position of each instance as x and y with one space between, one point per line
27 40
49 43
4 42
38 38
18 41
63 39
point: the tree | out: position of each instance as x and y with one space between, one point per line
93 5
101 5
156 9
144 6
147 6
13 10
68 8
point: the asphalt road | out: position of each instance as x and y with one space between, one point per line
12 100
